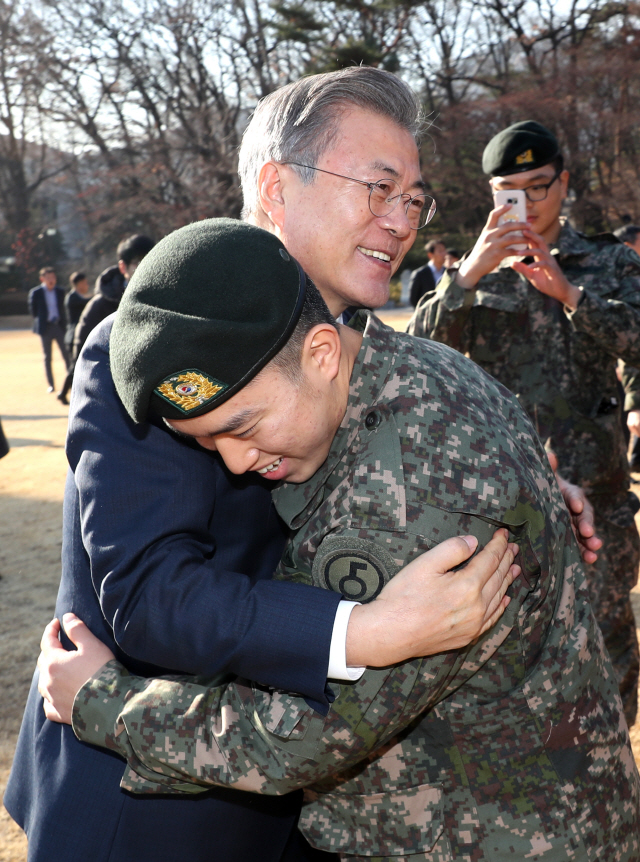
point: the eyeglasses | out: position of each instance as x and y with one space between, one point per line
384 196
540 190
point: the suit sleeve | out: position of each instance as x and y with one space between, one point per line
172 544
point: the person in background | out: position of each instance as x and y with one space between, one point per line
551 327
46 306
452 256
110 285
427 277
74 303
4 443
629 234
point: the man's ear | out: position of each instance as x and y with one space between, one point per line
321 352
270 193
564 183
122 266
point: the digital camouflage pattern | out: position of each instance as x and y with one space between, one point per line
561 364
514 747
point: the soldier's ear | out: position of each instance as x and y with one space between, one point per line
321 352
270 193
564 183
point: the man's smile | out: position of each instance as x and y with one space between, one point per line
270 468
370 252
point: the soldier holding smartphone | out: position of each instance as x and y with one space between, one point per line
551 327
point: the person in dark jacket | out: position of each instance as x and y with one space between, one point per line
4 444
46 305
74 304
424 280
110 286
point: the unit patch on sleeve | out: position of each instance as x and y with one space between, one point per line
356 568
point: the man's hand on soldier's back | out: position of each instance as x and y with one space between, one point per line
581 511
427 608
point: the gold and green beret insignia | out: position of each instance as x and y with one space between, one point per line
525 158
189 389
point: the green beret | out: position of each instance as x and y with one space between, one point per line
522 147
205 311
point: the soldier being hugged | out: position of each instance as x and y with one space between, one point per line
379 446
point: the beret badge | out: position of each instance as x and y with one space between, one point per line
525 158
189 389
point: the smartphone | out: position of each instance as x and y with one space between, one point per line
518 212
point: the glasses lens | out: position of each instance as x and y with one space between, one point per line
539 192
420 210
383 197
536 193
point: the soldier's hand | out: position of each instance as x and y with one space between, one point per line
545 273
63 672
427 608
581 512
491 248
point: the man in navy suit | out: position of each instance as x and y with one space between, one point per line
46 306
168 558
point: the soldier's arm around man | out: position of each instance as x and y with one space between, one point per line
424 447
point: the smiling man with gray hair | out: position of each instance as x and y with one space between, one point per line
168 557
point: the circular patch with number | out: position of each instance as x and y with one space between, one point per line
355 568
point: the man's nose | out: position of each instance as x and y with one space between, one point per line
397 220
238 455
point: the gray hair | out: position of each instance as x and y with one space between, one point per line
299 121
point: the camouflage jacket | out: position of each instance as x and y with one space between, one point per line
560 363
514 747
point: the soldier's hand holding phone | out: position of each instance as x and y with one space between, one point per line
544 273
499 237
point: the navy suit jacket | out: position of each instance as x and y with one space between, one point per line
39 310
167 557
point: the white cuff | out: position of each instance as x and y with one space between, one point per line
338 669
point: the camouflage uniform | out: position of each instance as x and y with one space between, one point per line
513 747
562 366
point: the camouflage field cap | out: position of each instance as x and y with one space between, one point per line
521 147
205 311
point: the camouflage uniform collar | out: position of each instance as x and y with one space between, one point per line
296 503
571 242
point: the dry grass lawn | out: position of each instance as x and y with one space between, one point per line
31 489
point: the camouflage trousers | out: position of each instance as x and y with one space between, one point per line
611 579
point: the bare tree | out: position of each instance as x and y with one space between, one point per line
26 161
